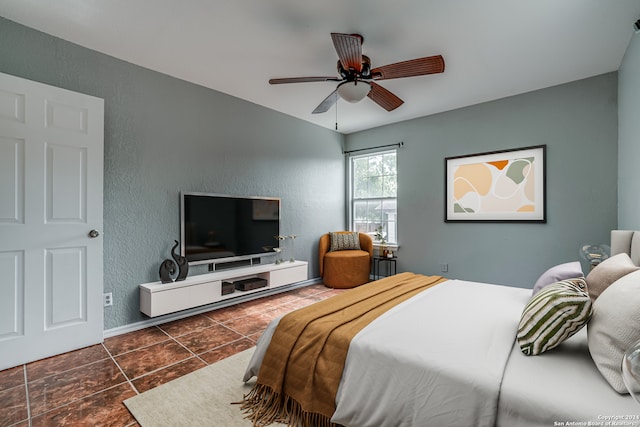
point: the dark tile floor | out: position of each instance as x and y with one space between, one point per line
86 387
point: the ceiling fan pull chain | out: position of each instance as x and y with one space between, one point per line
336 114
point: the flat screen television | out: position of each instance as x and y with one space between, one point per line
218 228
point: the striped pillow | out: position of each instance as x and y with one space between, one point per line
554 314
344 240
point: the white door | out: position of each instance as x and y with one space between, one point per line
51 173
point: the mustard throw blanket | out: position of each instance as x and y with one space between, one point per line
301 370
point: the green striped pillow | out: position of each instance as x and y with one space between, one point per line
554 314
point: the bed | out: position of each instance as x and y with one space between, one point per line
448 356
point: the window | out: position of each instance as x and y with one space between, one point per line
373 193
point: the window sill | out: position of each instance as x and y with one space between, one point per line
392 246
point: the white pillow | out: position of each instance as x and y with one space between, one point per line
607 272
614 327
569 270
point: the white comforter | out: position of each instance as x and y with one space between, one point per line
561 386
434 360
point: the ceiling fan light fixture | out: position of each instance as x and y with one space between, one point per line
353 91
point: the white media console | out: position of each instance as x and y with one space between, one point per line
162 298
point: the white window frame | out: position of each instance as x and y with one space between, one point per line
391 234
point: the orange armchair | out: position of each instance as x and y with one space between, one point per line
345 268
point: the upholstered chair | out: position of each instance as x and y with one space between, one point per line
345 267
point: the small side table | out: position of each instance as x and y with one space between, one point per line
391 262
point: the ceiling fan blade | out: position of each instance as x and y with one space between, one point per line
349 49
327 103
383 97
303 80
410 68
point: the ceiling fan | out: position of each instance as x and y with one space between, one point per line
357 78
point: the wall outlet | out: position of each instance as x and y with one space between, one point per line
444 268
108 299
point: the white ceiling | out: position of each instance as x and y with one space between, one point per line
492 48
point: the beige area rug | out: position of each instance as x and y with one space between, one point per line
201 398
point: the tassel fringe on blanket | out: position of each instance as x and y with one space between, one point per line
264 407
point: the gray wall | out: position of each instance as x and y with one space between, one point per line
629 138
577 121
163 136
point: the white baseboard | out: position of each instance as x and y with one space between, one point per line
107 333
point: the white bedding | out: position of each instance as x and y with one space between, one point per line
439 359
447 357
560 386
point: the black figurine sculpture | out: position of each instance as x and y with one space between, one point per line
183 264
168 267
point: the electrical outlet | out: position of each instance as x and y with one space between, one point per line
444 268
108 299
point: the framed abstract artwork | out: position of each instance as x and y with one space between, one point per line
497 186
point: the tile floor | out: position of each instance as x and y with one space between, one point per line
86 387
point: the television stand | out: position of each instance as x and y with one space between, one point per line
158 298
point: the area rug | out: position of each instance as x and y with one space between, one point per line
201 398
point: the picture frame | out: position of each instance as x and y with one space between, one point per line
497 186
